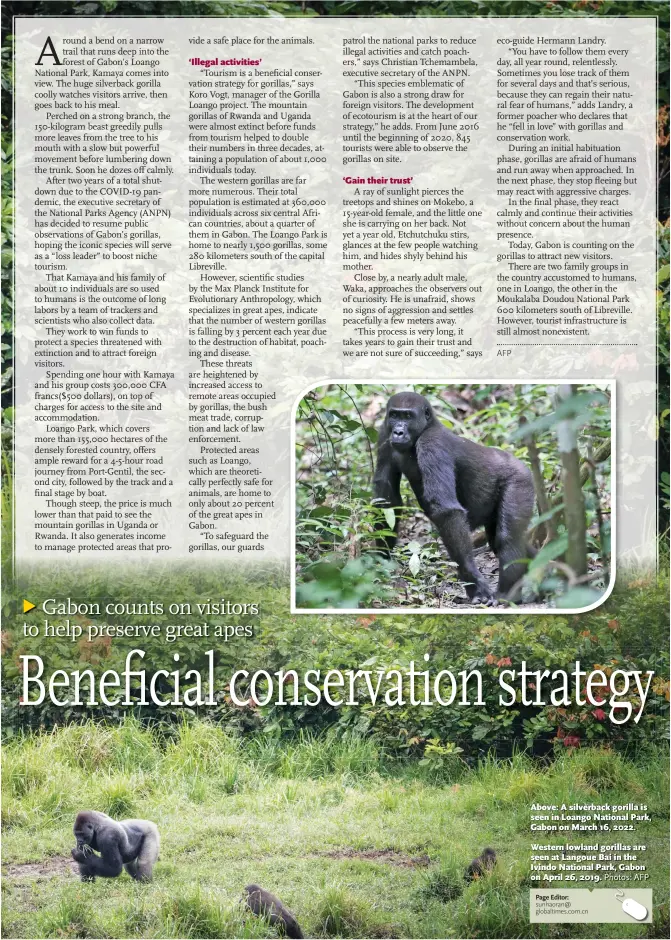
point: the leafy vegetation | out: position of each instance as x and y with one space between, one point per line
337 561
354 847
629 631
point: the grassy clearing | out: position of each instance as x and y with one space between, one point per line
356 850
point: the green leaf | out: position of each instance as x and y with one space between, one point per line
549 552
320 512
547 515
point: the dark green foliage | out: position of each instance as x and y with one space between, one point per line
627 632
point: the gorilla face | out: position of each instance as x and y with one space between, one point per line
85 835
408 415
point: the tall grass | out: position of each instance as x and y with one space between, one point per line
6 509
115 768
310 818
313 755
195 914
343 914
71 917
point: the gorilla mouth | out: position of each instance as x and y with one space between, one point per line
85 848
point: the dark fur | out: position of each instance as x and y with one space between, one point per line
483 863
460 485
132 844
264 904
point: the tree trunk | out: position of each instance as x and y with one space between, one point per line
548 529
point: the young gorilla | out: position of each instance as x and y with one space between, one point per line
132 844
264 904
460 485
484 862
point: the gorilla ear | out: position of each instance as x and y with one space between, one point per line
427 412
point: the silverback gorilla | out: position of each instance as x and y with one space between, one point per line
460 485
264 904
132 844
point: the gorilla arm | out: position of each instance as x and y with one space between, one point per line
109 863
387 486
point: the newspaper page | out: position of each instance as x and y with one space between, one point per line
335 469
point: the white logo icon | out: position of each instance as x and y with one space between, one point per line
634 909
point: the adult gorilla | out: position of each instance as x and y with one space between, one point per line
132 844
460 485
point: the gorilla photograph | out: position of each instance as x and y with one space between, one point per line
462 497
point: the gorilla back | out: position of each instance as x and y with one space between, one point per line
264 904
132 844
460 485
